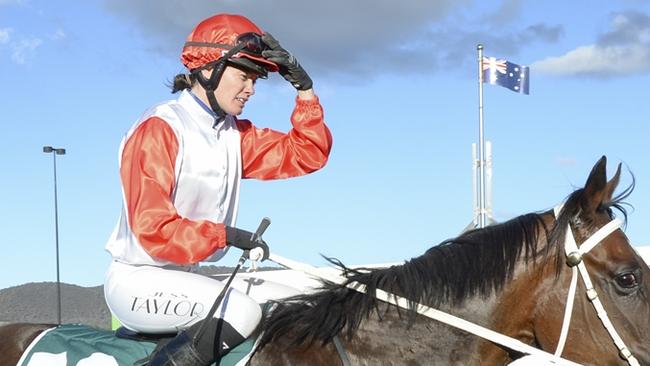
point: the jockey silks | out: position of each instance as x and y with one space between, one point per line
207 173
182 182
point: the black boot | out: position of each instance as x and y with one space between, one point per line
216 341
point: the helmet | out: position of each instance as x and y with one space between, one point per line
222 39
215 36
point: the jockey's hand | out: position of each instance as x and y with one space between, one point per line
288 66
243 239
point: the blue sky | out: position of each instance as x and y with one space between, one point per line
400 92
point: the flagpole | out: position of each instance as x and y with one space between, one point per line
481 163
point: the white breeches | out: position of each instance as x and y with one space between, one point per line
160 300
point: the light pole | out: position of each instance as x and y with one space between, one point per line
55 152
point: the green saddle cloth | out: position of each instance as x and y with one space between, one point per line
82 345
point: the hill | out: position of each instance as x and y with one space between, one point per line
37 302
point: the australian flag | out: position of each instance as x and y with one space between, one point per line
506 74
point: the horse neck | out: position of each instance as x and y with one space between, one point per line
533 284
425 341
510 310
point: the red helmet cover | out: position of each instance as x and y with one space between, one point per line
220 29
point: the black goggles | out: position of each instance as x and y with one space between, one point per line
250 43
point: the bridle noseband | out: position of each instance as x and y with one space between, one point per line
574 255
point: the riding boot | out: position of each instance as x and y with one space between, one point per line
216 341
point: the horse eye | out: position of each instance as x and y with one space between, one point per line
627 280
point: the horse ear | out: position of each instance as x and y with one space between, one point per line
596 187
612 184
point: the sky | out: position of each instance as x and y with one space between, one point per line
399 87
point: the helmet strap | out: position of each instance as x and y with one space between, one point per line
210 84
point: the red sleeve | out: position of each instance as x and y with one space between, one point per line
269 154
148 178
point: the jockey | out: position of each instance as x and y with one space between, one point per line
180 165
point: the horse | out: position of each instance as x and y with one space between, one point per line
511 277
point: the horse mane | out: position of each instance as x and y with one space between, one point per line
476 263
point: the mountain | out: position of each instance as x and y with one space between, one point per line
37 303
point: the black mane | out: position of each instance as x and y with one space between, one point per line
477 263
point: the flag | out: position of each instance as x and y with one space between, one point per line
506 74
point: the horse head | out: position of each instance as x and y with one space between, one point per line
620 278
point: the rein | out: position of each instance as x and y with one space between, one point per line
574 260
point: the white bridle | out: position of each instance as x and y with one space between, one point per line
574 260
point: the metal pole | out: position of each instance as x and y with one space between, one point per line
489 214
55 152
481 163
56 231
475 197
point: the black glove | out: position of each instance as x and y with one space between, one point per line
242 239
288 66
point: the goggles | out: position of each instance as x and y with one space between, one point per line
250 43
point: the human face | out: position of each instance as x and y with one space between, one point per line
235 89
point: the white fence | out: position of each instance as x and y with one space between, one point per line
644 251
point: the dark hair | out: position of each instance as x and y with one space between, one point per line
182 82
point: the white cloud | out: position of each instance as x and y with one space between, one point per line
415 37
599 61
5 35
25 49
623 50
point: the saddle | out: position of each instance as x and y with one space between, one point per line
125 333
73 344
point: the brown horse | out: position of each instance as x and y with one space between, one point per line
510 277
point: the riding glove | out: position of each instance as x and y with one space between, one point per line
243 239
288 66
